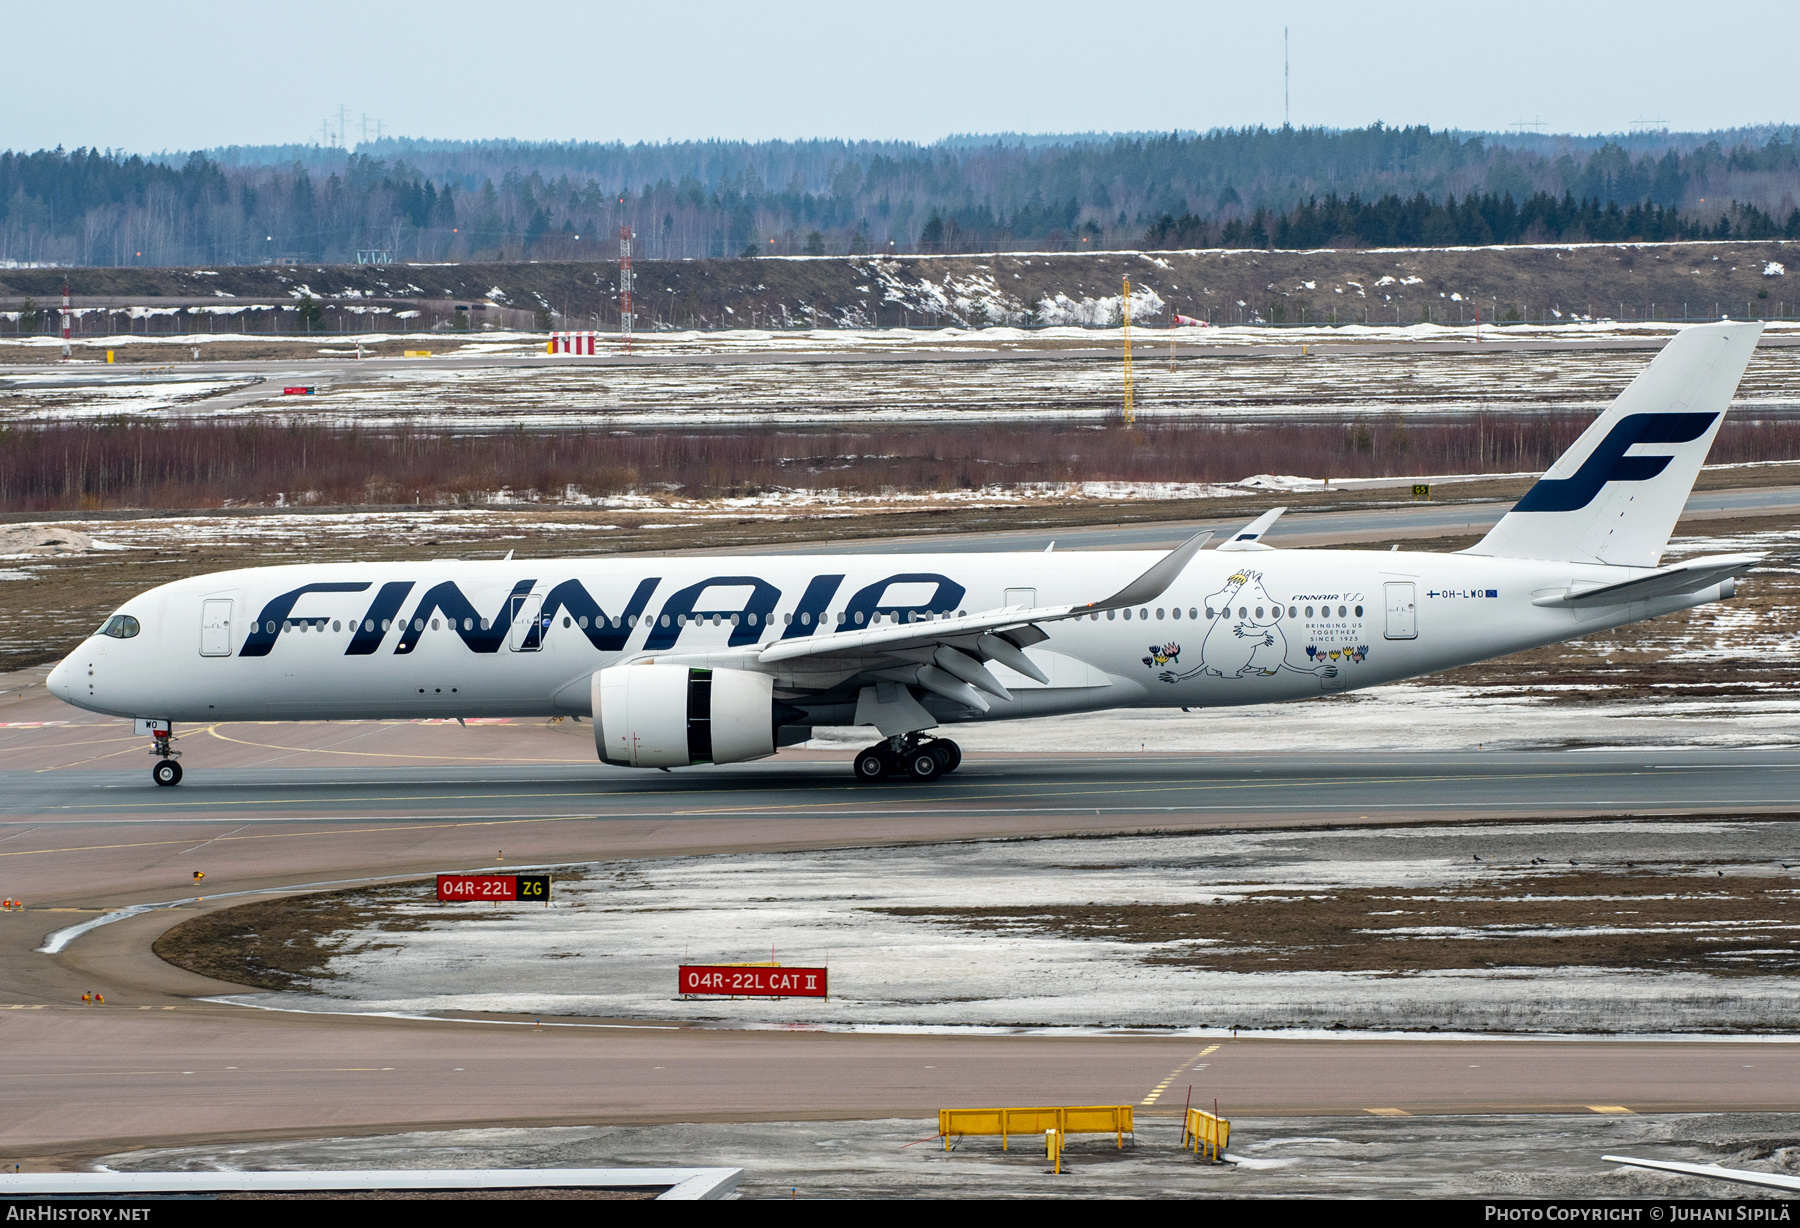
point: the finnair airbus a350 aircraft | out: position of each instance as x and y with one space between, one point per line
684 661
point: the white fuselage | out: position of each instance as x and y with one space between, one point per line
398 640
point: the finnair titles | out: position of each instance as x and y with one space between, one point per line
722 660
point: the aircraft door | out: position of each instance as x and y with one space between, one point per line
1402 611
1026 597
524 634
215 627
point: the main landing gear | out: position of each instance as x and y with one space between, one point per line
922 759
167 771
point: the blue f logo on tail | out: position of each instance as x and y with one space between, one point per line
1608 462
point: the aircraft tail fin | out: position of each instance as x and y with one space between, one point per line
1615 495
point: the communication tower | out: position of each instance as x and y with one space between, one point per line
65 319
625 316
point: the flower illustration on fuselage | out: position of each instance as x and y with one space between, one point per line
1162 656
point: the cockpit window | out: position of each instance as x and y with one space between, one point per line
120 627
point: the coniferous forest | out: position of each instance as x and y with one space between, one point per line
497 200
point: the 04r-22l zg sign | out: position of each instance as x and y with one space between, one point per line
741 981
485 888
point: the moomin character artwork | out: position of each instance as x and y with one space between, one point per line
1245 639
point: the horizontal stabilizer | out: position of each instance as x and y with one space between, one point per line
1688 577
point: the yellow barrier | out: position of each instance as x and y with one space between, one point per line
418 353
1208 1135
1114 1119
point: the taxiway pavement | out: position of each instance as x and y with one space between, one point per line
279 808
81 1081
1298 529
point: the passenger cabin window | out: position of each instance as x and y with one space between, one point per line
120 627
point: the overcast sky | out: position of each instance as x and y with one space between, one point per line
198 74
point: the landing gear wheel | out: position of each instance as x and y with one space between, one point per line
923 764
168 772
873 765
948 753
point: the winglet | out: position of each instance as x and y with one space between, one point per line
1250 537
1150 585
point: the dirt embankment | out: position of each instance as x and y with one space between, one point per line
1695 280
1693 920
285 943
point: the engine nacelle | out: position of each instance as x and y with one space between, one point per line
656 716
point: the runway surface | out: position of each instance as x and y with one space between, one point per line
80 818
285 807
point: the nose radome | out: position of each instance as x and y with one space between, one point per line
61 679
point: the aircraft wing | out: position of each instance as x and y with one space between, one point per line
902 636
1686 577
1743 1176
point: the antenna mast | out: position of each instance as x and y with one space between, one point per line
625 316
1286 114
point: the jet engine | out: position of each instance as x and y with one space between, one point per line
657 716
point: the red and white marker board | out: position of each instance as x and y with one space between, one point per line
575 343
484 888
749 982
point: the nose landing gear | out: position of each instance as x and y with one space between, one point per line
167 771
922 759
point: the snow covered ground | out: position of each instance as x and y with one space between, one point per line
1405 716
1236 383
1102 332
609 945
